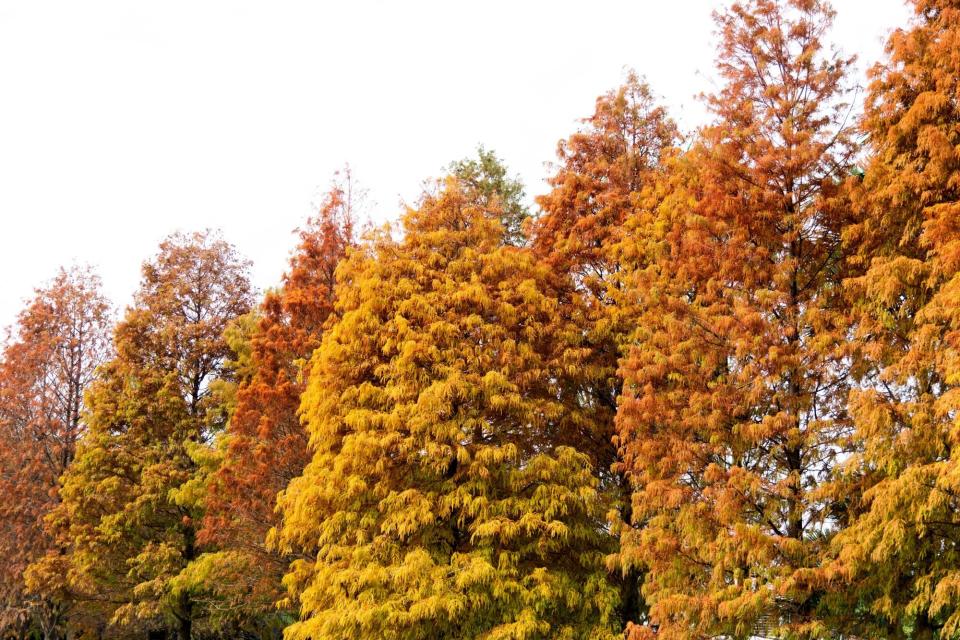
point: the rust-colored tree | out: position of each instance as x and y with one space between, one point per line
46 365
265 445
734 406
606 171
601 175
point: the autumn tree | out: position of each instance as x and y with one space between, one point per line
439 501
47 363
734 409
606 171
899 560
128 528
265 444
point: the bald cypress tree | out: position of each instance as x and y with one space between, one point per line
734 410
439 502
898 563
126 529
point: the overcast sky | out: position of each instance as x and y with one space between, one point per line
122 121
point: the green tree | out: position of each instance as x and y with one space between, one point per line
485 179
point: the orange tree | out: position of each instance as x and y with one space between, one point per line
734 404
899 560
606 171
265 445
45 367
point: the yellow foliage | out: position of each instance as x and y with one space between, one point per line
440 502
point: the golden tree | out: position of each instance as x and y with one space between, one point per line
439 502
899 561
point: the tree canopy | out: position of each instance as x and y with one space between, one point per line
703 386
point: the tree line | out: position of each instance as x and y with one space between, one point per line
708 388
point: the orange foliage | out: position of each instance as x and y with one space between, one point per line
266 445
733 411
899 560
61 337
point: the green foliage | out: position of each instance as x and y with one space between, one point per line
485 180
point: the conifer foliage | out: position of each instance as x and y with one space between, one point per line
266 446
127 529
486 179
606 170
734 408
47 364
707 387
899 559
603 170
438 503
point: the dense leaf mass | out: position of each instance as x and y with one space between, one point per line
61 338
901 552
440 501
128 516
734 412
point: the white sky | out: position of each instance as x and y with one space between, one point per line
122 121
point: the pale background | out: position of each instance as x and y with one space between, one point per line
122 121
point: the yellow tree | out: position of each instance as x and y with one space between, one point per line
899 560
734 412
440 501
126 533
